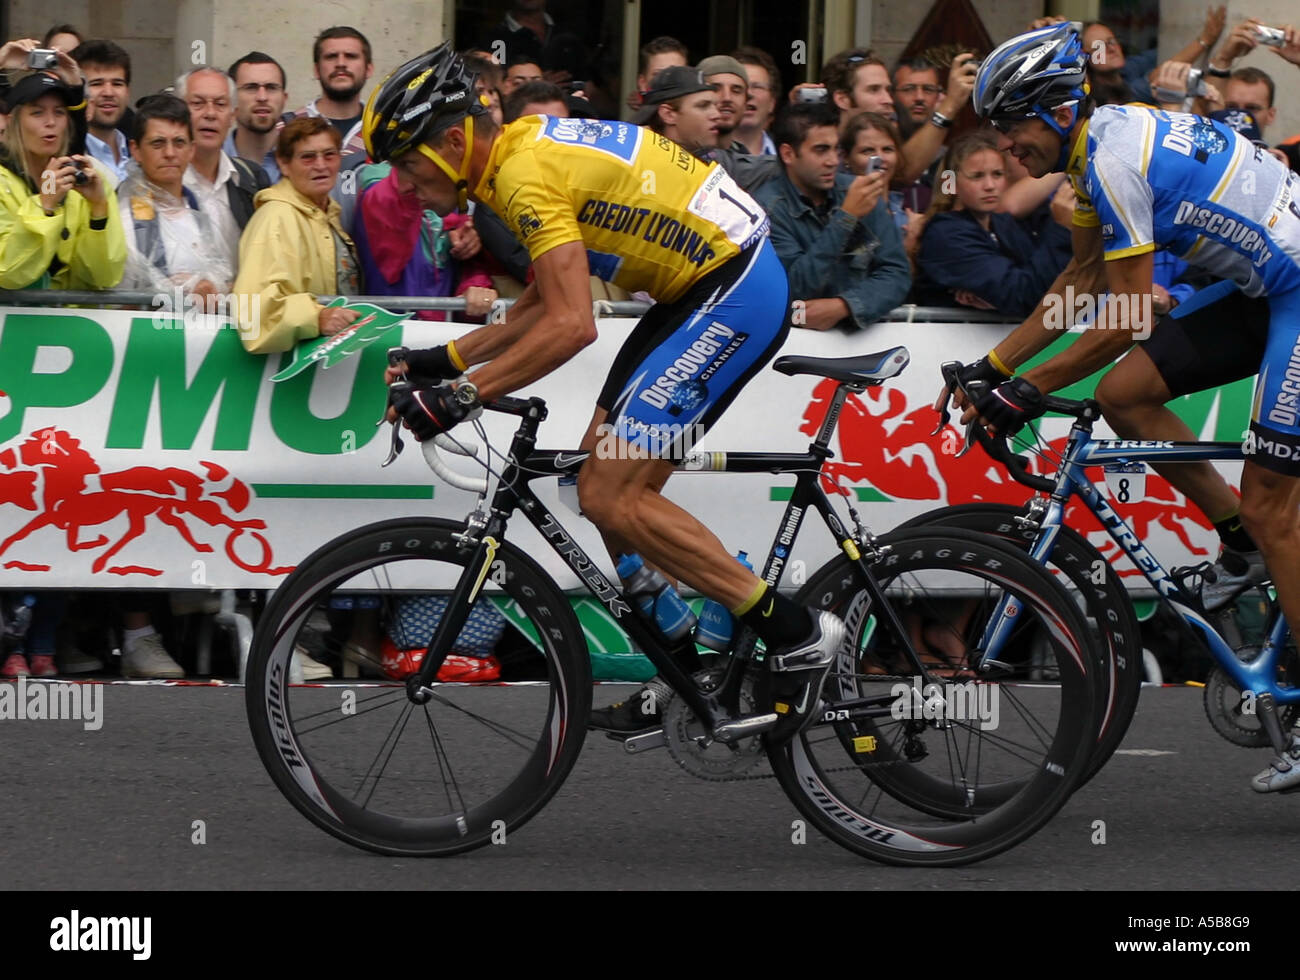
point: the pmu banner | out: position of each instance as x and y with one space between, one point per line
135 455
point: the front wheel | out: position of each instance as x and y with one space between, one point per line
382 764
936 764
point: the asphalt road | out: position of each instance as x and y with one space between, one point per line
116 809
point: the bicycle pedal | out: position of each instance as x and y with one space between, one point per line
641 743
738 728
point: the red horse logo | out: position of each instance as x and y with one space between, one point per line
886 446
56 488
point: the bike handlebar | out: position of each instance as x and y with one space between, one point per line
996 446
474 484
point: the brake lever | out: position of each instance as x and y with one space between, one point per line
944 413
973 391
396 355
970 440
395 447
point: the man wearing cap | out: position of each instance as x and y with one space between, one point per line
1248 125
730 80
682 106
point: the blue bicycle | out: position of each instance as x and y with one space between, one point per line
1251 694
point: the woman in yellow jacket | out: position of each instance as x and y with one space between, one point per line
294 247
55 230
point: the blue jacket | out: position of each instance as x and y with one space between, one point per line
827 252
1009 266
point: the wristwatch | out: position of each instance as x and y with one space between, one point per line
1218 72
466 394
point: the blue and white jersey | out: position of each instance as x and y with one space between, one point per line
1154 179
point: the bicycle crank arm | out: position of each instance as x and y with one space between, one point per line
1266 709
644 742
730 731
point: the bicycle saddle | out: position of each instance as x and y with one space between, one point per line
869 369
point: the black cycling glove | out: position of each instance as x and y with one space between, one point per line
981 370
427 409
1010 405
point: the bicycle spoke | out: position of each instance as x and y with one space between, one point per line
494 726
393 737
497 736
872 784
396 697
444 763
1006 745
1036 727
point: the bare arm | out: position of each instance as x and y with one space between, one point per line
1215 18
550 330
1022 197
1127 277
919 151
487 342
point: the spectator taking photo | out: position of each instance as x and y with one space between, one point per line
55 207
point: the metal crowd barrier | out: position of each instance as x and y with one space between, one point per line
909 313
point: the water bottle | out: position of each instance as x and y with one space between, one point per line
717 625
17 620
656 598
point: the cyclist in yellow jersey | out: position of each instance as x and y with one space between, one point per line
607 198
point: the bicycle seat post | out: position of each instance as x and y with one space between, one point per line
821 445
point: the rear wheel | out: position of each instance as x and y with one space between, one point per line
1099 593
383 765
959 772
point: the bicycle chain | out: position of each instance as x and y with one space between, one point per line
743 777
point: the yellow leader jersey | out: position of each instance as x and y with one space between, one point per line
651 215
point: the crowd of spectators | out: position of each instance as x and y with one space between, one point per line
218 185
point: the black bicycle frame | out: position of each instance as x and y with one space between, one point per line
514 491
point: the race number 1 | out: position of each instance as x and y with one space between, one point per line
1127 482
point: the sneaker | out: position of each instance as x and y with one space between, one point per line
43 666
642 712
312 670
147 657
798 673
15 666
1217 584
1283 774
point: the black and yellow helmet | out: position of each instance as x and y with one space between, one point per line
418 100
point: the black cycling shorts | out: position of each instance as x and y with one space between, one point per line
1215 338
685 362
1220 335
